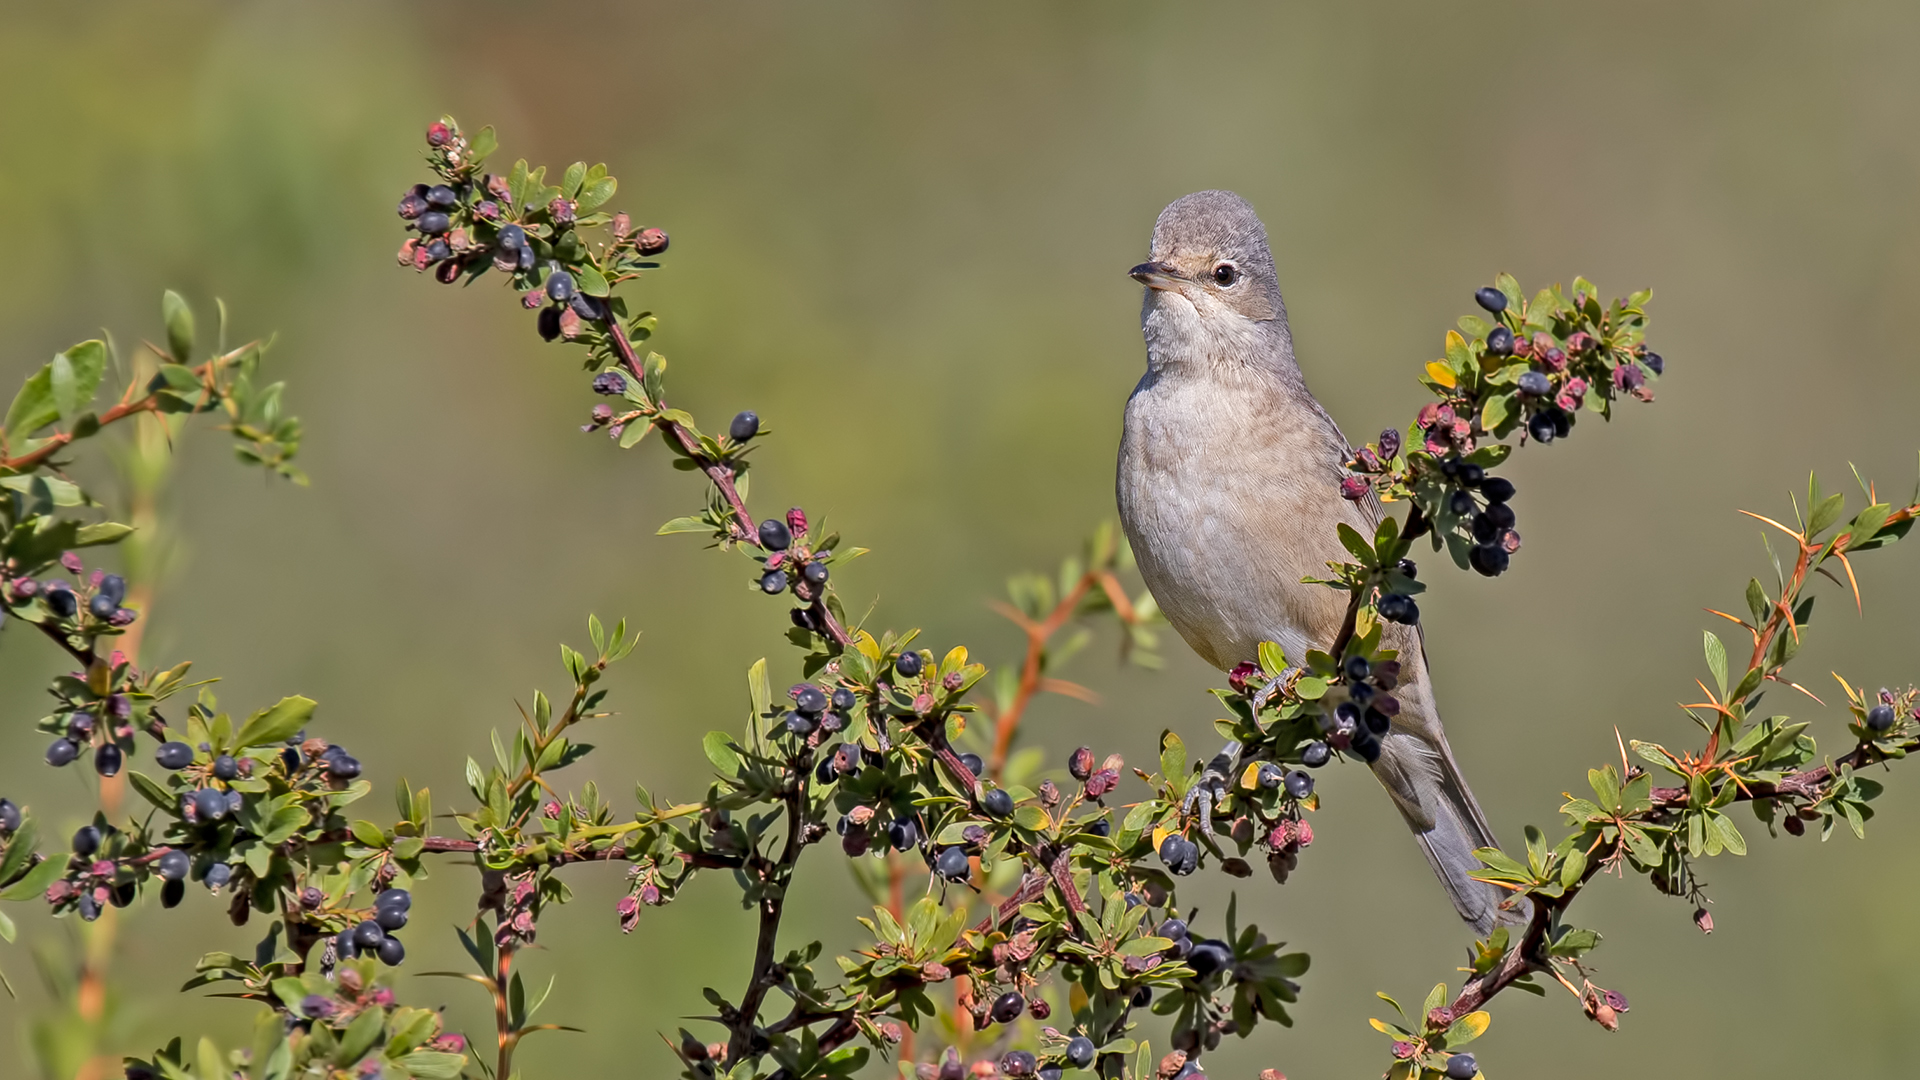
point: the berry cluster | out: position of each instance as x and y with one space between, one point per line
786 559
471 222
373 936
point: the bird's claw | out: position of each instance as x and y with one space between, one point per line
1211 785
1266 693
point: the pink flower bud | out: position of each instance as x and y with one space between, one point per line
1354 488
797 520
438 134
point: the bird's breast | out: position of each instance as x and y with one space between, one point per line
1229 497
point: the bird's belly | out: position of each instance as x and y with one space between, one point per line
1223 546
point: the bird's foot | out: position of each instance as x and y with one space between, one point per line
1210 785
1263 696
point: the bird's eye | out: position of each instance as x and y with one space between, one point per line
1226 274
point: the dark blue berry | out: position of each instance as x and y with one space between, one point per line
1461 503
400 899
1880 717
433 223
1489 560
774 535
1542 428
1535 383
560 286
225 767
908 664
1080 1050
997 803
773 581
746 425
1143 997
810 700
438 251
442 196
1497 489
952 864
9 816
1491 298
799 723
1462 1067
973 763
903 834
218 875
411 206
390 918
844 700
1173 929
1367 746
587 307
1501 515
172 892
391 952
102 607
88 907
1209 956
524 261
1655 363
548 323
209 804
62 752
816 573
1017 1063
368 935
174 756
1102 827
173 866
609 382
1470 475
86 840
60 600
1299 784
114 587
1315 755
107 759
1356 667
1500 342
1181 856
343 767
512 237
1008 1007
1269 776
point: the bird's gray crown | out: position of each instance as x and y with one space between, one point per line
1195 232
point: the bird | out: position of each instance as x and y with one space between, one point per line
1228 485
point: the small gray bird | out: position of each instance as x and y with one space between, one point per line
1229 490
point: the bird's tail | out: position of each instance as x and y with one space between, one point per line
1433 796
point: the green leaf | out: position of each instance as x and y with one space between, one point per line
1351 539
101 532
1717 662
1757 602
75 375
179 319
591 281
36 880
1273 660
571 180
151 791
482 143
720 751
430 1064
1825 514
1173 757
273 725
359 1036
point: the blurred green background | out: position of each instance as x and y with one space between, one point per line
900 232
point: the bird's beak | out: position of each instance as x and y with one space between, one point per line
1156 275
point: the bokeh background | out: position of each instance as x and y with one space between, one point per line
900 233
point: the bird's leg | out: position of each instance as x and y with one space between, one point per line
1211 784
1266 693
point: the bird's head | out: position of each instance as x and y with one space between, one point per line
1210 277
